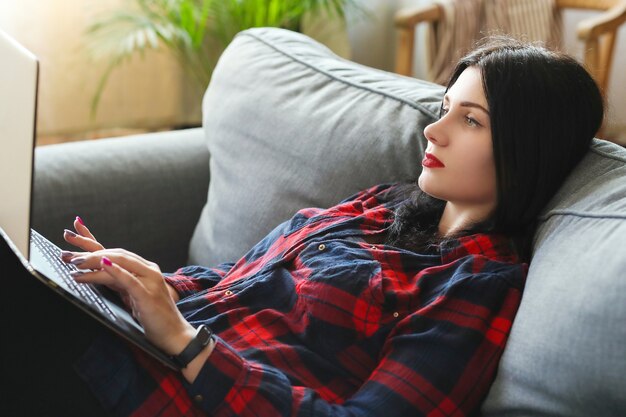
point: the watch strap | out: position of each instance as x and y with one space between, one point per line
201 339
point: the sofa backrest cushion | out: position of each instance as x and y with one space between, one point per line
291 125
566 355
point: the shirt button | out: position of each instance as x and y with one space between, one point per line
373 247
228 292
396 314
198 398
321 247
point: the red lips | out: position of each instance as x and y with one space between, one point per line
430 161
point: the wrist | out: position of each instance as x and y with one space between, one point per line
191 371
179 340
192 345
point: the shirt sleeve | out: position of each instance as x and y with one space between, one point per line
193 279
438 360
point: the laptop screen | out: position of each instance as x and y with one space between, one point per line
18 104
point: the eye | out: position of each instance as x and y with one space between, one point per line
470 121
443 111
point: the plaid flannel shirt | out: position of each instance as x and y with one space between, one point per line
315 321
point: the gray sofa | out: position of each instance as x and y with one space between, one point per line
287 124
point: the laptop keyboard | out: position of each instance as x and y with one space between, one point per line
52 254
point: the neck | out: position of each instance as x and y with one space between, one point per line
457 217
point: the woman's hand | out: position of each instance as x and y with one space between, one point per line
84 239
141 284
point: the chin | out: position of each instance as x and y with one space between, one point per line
422 183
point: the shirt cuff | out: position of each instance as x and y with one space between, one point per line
217 378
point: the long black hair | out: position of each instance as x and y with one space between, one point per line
545 109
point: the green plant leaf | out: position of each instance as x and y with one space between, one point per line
194 31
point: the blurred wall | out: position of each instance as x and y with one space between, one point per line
373 37
144 93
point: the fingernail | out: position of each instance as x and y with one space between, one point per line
75 274
78 261
106 261
66 254
80 220
70 233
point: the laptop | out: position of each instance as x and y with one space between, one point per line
19 73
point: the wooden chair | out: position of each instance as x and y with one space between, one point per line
598 34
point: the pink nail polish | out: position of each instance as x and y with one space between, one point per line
107 261
70 233
80 220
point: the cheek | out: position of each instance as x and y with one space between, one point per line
471 180
481 163
468 162
475 159
480 175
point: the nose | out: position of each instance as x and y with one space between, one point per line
436 132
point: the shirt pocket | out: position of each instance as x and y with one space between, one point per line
335 291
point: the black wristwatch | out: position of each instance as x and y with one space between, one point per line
200 341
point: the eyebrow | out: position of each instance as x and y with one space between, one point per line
468 104
474 105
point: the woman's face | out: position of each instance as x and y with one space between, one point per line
459 165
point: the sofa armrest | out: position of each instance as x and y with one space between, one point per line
143 193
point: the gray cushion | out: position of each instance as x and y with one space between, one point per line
143 193
291 125
567 352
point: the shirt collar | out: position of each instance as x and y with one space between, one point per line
492 246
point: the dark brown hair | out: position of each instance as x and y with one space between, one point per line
545 109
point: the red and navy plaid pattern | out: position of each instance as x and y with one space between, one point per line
316 321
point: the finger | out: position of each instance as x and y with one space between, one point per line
132 262
67 256
96 277
126 260
115 251
122 278
110 275
82 229
132 255
71 257
82 242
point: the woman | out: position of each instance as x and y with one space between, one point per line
397 301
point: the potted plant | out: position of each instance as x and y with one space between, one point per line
194 31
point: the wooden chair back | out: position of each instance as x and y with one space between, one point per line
597 33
